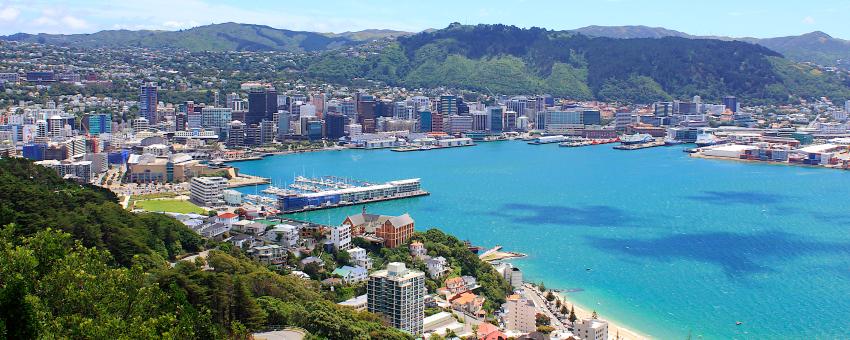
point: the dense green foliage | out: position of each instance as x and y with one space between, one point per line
73 264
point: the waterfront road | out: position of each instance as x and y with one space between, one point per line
540 302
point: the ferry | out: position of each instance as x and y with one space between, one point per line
638 138
706 139
548 140
672 141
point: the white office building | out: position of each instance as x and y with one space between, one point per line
207 191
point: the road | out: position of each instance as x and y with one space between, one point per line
540 302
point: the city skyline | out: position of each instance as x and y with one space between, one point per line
758 19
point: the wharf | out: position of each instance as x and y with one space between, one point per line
247 180
364 201
639 146
426 148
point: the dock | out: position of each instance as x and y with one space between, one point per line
639 146
308 194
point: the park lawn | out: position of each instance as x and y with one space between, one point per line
166 205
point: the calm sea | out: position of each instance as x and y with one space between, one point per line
674 244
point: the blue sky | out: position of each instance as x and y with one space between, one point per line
756 18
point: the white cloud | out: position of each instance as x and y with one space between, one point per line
809 20
74 23
45 21
9 14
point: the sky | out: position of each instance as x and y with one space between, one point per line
737 18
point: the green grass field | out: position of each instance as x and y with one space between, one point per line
175 206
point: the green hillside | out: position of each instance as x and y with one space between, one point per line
217 37
509 60
75 265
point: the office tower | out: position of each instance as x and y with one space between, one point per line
335 125
731 103
495 119
180 121
663 109
283 119
230 99
148 100
252 135
366 113
140 124
479 121
256 106
458 124
518 104
99 123
847 107
271 103
509 120
216 118
425 120
236 135
267 132
398 294
447 105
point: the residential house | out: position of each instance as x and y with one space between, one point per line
487 331
469 303
359 257
437 266
352 274
417 250
270 255
286 234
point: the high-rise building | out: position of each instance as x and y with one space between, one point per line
207 191
847 107
283 119
495 119
509 121
216 118
148 100
236 135
256 106
335 125
99 123
267 132
271 103
398 294
731 103
366 113
458 124
479 121
425 120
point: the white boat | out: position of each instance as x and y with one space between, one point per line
706 139
638 138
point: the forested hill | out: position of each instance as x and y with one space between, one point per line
75 265
506 59
216 37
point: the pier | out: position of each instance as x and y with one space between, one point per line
639 146
307 194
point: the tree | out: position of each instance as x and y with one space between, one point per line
549 296
542 320
573 317
545 329
541 287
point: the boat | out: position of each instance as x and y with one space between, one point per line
638 138
705 139
671 141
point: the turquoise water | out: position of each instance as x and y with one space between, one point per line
676 244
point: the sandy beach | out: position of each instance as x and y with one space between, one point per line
616 331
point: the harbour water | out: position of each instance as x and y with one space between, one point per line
676 245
